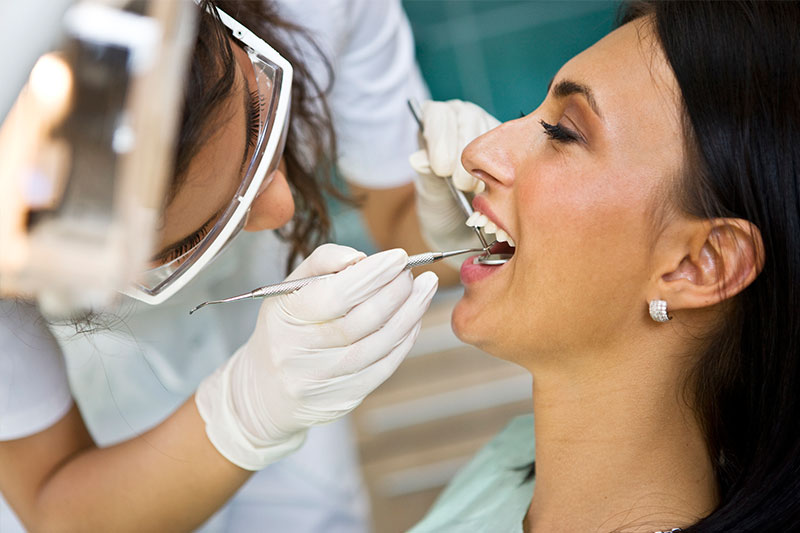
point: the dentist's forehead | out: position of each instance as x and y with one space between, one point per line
213 174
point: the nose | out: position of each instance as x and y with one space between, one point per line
274 206
489 157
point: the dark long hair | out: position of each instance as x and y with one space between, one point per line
737 64
310 144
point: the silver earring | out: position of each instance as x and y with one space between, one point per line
658 311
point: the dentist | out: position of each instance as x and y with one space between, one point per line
149 423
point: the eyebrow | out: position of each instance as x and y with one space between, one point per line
565 88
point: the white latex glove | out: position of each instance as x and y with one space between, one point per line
315 354
448 127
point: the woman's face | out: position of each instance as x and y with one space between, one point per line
217 170
579 195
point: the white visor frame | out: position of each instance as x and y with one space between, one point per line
158 284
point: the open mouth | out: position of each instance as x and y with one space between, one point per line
502 248
479 220
501 251
504 243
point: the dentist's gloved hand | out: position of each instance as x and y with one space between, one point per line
315 354
448 127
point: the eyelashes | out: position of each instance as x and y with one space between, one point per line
254 118
185 245
557 132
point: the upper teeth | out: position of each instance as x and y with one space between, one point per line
479 220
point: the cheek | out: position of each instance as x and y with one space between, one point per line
584 253
273 208
583 223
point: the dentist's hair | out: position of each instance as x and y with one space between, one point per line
737 64
310 151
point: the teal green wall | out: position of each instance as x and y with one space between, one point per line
499 54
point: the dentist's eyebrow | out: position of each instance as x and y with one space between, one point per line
565 88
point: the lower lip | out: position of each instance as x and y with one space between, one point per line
472 273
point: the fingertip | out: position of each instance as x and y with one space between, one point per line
425 286
397 256
358 256
463 180
390 262
419 162
429 280
345 255
399 252
327 258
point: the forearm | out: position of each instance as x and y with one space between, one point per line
168 479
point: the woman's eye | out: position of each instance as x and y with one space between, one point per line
559 133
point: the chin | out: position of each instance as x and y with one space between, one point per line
481 326
468 326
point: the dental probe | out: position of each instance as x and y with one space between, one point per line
458 194
285 287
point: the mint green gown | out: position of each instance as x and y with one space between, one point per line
489 495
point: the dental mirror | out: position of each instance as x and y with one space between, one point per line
492 259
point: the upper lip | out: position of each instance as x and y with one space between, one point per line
480 203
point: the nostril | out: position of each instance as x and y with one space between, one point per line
482 175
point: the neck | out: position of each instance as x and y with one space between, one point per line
618 450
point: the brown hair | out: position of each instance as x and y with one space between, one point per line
310 152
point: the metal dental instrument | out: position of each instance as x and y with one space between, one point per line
461 199
285 287
492 259
487 258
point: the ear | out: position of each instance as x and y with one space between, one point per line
718 259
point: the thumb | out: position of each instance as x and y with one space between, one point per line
420 163
327 259
441 135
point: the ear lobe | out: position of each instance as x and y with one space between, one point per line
722 261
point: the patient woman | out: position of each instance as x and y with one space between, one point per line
654 294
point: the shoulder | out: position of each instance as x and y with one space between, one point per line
370 48
490 493
34 392
340 17
507 454
344 28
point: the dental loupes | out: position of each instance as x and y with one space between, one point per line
285 287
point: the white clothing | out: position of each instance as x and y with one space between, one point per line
371 49
129 377
34 393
